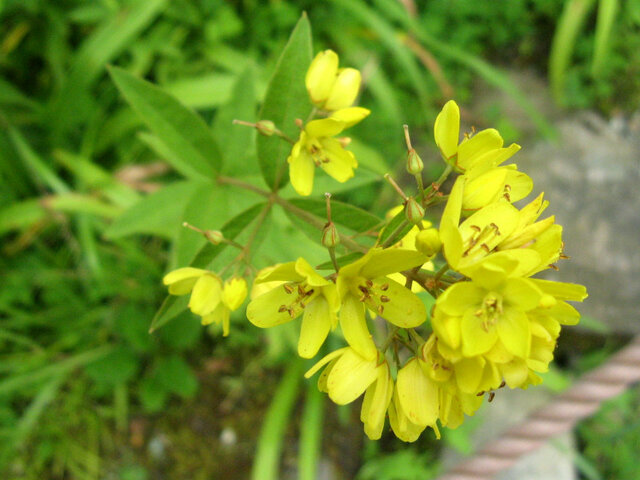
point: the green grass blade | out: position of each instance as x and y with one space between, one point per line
267 459
311 433
573 16
607 10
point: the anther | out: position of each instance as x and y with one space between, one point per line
554 267
564 257
384 287
309 293
476 228
363 289
495 227
283 308
362 298
369 283
502 385
301 290
480 393
492 395
485 247
380 309
291 313
384 299
288 288
302 305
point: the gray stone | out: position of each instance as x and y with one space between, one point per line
510 407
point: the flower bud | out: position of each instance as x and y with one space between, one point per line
428 242
330 236
344 90
414 211
214 236
321 76
266 127
414 163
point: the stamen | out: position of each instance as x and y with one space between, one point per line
369 283
283 308
476 228
480 393
384 299
288 288
502 384
380 309
554 267
301 290
492 395
485 247
384 287
363 289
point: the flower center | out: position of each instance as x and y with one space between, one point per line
490 310
300 294
373 294
317 152
481 239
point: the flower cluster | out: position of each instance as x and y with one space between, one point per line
332 90
492 324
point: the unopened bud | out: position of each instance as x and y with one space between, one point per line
214 236
266 127
428 242
330 236
414 163
414 211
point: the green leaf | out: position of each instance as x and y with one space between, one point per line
183 132
286 99
238 140
342 214
208 208
172 305
170 309
119 366
175 375
208 91
152 394
158 214
392 227
230 230
341 261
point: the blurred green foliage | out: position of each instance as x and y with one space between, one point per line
92 202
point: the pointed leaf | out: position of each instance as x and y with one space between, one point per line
286 99
183 132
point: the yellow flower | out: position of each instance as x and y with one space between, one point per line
210 298
316 147
483 148
457 383
348 375
365 282
302 290
473 316
329 87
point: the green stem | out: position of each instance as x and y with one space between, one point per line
389 241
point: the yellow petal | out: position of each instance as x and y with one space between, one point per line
403 428
470 149
307 272
375 403
460 297
484 189
401 307
447 129
301 172
390 260
514 332
265 311
561 290
316 323
477 338
350 116
517 185
206 294
468 374
324 360
321 76
182 280
447 328
283 272
417 394
354 327
234 292
350 377
340 162
325 127
345 89
515 373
